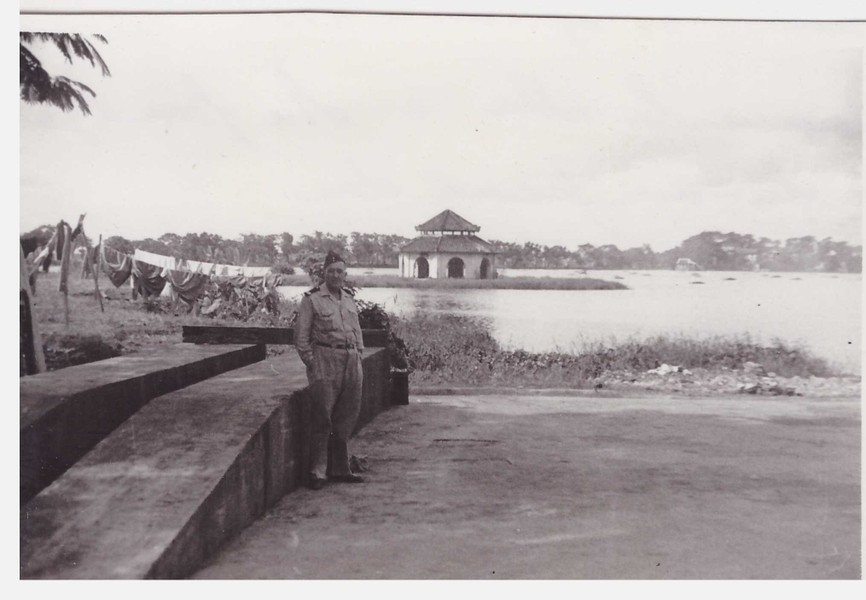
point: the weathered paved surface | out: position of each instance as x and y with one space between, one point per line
180 477
556 487
65 413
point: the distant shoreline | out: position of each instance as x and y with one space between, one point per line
626 269
502 283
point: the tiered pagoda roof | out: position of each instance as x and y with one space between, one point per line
463 244
447 220
448 232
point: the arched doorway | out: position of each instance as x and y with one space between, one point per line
485 268
455 268
422 267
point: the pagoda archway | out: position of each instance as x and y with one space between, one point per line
485 268
422 268
455 268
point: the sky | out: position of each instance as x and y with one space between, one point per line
556 131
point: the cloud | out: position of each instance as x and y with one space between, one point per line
558 131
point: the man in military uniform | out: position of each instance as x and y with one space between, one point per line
328 340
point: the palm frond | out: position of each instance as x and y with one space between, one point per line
97 59
38 86
62 41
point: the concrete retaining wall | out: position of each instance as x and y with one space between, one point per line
182 476
65 413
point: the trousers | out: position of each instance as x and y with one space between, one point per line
336 380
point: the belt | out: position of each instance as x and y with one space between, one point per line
337 346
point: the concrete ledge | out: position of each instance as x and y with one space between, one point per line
228 334
66 413
186 473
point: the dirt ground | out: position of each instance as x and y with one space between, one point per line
526 487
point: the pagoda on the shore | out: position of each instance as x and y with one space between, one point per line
448 248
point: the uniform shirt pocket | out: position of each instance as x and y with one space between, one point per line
354 322
353 313
327 319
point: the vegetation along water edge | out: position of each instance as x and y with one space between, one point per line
447 350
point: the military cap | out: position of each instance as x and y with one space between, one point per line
332 257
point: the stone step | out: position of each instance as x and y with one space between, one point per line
187 472
67 412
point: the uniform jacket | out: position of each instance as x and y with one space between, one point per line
325 319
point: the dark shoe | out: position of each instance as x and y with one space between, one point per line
350 478
316 483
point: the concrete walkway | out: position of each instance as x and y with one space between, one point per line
487 487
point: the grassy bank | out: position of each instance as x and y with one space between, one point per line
456 350
502 283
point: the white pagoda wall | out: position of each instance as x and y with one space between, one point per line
439 265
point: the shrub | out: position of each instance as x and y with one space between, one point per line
241 302
74 349
372 315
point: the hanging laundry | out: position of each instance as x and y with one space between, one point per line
158 260
255 271
188 286
147 280
197 266
87 265
29 245
117 265
43 258
61 239
79 229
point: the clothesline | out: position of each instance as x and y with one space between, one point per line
187 279
194 266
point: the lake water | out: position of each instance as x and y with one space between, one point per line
821 311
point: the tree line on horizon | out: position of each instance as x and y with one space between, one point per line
710 250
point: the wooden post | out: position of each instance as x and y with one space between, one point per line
31 341
96 267
64 268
